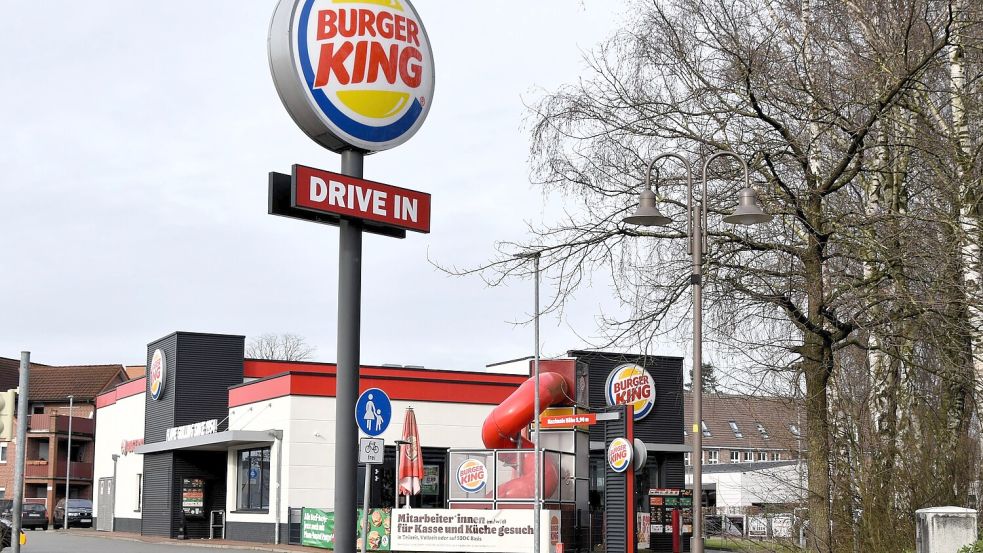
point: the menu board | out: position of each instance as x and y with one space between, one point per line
662 503
193 497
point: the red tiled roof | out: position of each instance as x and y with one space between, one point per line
84 382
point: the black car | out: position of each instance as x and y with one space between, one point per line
34 516
79 513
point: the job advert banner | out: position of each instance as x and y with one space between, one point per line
455 530
317 529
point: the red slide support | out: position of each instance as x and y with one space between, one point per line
503 426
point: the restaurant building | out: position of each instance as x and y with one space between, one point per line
210 443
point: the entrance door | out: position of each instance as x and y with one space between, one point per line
105 513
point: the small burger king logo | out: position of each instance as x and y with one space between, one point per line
472 475
631 384
364 69
619 454
158 373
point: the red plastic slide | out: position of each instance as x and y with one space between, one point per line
503 426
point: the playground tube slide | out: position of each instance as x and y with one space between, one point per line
503 426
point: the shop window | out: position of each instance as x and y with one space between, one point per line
714 457
735 456
737 431
139 492
3 452
254 480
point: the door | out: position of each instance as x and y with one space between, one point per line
105 512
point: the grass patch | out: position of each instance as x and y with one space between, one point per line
750 546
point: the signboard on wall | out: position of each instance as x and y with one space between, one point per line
454 530
662 503
193 497
431 480
194 430
317 529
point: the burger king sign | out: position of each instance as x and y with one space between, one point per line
619 454
631 384
472 475
157 374
352 73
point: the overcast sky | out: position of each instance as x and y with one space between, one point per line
137 138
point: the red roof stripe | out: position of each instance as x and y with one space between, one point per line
124 390
261 368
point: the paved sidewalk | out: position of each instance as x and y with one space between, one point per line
214 544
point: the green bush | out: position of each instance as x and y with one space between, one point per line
974 548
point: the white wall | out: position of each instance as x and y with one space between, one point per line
124 420
309 443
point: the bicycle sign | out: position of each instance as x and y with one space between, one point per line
371 451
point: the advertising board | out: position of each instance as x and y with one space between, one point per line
317 529
354 74
455 530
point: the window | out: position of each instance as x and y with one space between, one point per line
748 456
254 479
706 431
139 492
714 457
686 459
43 451
37 409
794 429
762 455
761 428
736 430
735 456
3 452
776 456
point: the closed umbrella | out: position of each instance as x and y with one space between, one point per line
410 457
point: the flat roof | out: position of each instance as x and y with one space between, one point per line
219 441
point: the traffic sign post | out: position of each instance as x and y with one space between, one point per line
373 411
371 451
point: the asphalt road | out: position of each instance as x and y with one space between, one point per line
57 542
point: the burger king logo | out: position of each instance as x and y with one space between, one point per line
631 384
619 454
472 475
353 73
158 373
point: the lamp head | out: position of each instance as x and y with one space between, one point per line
748 210
647 214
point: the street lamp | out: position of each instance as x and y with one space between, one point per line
748 212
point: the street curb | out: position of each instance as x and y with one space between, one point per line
186 543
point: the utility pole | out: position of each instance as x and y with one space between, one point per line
20 448
68 460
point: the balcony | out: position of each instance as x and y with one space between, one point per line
59 423
42 469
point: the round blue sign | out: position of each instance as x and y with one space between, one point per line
373 411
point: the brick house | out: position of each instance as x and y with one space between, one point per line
47 436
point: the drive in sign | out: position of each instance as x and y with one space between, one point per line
326 192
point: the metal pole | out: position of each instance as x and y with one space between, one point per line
20 450
68 460
278 434
399 453
365 509
537 497
349 326
696 280
112 521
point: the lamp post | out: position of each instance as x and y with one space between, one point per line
748 213
68 460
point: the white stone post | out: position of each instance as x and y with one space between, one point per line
944 529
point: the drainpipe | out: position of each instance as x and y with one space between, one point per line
278 435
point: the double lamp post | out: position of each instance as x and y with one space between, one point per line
748 212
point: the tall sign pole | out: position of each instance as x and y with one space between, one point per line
353 89
21 448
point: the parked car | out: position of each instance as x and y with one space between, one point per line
34 516
79 513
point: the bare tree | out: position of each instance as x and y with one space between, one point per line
281 347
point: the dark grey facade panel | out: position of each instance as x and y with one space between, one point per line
208 364
261 532
616 493
160 412
128 525
664 424
158 477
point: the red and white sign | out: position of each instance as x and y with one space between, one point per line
567 421
619 454
327 192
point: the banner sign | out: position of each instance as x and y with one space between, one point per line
326 192
317 529
455 530
567 421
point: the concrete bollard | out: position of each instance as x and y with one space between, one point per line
944 529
